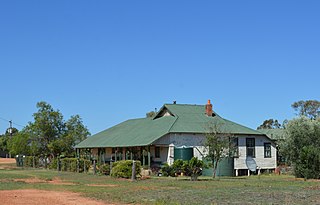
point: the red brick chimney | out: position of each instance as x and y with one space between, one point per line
209 109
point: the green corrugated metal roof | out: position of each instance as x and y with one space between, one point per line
141 132
192 118
275 134
136 132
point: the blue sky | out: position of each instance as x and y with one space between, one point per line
110 61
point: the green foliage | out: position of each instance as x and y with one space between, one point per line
4 143
123 168
167 170
29 161
303 147
75 133
218 145
104 169
266 189
19 144
70 164
6 139
49 134
54 164
151 114
309 108
270 124
193 168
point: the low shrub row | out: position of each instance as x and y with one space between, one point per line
31 161
192 168
123 169
70 164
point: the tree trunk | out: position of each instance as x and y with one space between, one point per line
215 166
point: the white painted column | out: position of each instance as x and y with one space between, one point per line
170 158
237 172
248 173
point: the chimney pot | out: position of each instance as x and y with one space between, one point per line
209 111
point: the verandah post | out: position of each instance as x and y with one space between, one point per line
133 174
149 157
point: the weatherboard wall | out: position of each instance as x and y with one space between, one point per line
261 161
180 140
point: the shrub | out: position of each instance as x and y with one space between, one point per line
193 168
29 160
123 169
53 164
104 169
70 164
167 170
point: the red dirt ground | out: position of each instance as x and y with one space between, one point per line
7 161
41 197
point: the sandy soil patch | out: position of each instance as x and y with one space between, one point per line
40 197
7 161
102 185
56 181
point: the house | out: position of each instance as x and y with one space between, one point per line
178 131
279 136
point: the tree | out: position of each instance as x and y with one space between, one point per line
75 133
49 134
309 108
20 144
303 147
47 128
270 124
6 138
151 114
218 145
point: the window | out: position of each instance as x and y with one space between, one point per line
236 147
267 150
250 143
157 152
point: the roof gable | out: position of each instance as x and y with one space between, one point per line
172 118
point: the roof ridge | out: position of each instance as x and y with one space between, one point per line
174 122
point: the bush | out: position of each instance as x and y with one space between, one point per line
123 169
173 170
104 169
54 164
191 168
303 147
28 161
167 170
70 164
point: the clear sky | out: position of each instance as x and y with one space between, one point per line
110 61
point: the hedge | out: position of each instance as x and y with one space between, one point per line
28 161
123 168
70 164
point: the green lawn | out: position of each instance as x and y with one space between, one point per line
264 189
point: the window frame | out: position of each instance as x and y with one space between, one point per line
251 147
236 147
267 152
157 152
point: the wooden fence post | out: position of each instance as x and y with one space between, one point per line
94 166
133 176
